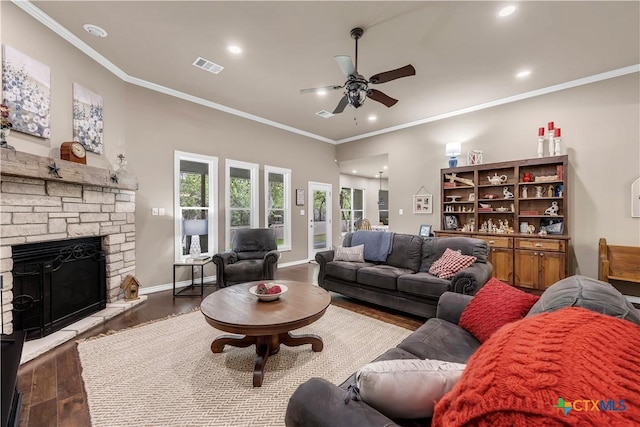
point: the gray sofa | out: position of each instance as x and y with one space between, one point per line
319 403
403 282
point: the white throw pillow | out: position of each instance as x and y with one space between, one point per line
407 388
351 254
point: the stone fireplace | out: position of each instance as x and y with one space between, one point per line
39 205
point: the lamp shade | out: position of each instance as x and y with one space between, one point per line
195 227
453 149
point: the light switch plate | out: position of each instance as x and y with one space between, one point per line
161 211
400 211
154 211
302 212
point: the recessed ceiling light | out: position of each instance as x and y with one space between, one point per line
384 167
321 92
354 171
506 11
236 50
94 30
372 118
522 74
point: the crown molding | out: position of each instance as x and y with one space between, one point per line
54 26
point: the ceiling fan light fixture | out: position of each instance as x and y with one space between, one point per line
236 50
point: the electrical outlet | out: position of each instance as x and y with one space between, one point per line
302 212
154 211
161 211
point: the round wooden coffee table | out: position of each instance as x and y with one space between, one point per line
265 324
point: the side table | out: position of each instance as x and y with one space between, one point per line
193 263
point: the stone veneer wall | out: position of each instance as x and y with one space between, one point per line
37 210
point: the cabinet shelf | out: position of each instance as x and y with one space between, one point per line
519 255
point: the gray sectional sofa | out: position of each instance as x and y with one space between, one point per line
403 281
319 403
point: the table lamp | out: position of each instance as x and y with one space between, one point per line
195 228
452 150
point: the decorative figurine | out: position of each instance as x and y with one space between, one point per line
531 229
553 209
543 231
513 207
525 192
507 194
550 191
539 190
472 197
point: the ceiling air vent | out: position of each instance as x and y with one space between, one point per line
207 65
324 114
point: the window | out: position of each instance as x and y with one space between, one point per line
351 209
195 220
277 195
383 206
241 197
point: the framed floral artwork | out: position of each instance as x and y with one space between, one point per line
87 118
26 90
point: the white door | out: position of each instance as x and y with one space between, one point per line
319 214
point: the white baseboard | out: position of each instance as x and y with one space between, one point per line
169 286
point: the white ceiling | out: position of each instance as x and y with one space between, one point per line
465 56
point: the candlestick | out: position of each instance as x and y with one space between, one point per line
556 140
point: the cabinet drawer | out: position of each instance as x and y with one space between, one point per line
497 242
541 244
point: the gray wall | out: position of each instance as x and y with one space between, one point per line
600 127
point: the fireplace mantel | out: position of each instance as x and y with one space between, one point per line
84 201
16 163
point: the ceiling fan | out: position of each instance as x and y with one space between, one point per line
356 88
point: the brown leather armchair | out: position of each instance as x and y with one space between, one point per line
254 256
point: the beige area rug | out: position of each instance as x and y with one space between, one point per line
164 373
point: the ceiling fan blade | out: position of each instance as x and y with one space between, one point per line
387 76
346 65
341 105
320 89
376 95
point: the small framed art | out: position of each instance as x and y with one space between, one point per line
450 222
299 197
423 203
425 230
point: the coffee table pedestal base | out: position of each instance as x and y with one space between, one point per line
266 346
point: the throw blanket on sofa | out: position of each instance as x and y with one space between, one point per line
377 245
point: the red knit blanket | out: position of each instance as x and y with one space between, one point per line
569 367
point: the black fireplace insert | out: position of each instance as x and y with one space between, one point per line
56 284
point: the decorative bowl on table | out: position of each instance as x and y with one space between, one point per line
268 291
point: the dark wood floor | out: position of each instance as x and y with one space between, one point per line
52 387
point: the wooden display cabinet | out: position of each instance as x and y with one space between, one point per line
523 197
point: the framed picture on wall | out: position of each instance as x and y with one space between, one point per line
299 197
423 203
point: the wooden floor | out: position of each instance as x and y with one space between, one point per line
52 387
